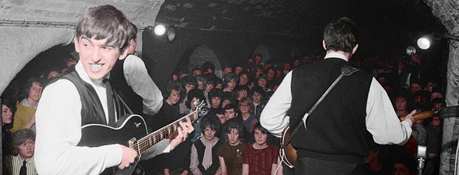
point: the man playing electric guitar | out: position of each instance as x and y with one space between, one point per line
81 97
335 137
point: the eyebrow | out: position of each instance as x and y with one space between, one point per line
89 40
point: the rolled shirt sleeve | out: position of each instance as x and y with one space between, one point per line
382 121
274 116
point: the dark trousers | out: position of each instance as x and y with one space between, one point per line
311 166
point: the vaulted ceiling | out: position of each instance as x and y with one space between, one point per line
25 24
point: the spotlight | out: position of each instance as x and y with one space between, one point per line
160 30
423 43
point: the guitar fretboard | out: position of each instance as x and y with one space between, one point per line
151 139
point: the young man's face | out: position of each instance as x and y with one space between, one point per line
35 91
256 97
209 134
229 114
98 59
241 94
215 102
26 149
243 79
231 85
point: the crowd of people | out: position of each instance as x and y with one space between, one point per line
229 139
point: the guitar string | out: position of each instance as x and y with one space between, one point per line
141 143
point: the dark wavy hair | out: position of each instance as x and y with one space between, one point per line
105 22
194 93
235 123
174 85
342 35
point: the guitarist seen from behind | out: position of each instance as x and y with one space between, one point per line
357 111
80 97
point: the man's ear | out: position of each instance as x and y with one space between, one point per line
77 46
323 45
355 48
125 52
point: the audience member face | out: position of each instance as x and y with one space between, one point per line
7 114
268 65
237 70
400 104
229 114
296 63
192 105
209 134
250 61
225 102
243 79
197 72
188 87
260 137
200 85
256 97
231 84
227 70
35 91
262 83
219 86
244 108
174 77
435 95
208 71
26 150
209 86
401 169
286 67
71 63
233 137
270 74
221 117
258 60
415 87
174 97
53 74
98 59
215 102
241 94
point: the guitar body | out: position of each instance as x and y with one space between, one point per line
287 153
123 132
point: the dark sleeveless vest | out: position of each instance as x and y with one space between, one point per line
215 161
121 87
92 111
336 128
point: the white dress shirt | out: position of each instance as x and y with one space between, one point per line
381 120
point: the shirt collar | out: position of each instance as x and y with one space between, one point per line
336 55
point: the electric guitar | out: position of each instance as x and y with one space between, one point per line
131 131
288 153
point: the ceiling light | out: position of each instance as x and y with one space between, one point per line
160 29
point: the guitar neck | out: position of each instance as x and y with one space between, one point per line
419 115
153 138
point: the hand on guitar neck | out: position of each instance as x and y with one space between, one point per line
182 133
413 116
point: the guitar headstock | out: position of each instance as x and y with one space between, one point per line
201 107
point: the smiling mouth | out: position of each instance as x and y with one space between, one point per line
96 66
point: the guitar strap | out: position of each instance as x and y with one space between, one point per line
345 71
